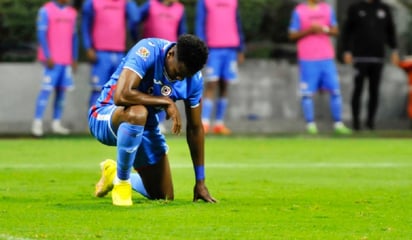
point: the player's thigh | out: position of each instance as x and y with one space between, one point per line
309 74
101 70
66 79
230 66
100 125
214 65
330 77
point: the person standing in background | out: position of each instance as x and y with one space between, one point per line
58 52
218 24
368 28
104 32
312 24
164 19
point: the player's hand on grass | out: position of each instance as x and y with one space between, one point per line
200 192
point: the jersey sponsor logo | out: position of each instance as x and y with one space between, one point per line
143 52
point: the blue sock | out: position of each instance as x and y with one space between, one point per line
137 184
207 108
93 98
41 103
58 104
336 107
161 116
308 109
221 109
129 138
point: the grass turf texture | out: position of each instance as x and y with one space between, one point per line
267 187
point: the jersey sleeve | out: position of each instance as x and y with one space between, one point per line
196 89
42 27
87 24
141 57
333 21
294 25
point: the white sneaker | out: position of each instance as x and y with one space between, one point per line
37 128
59 129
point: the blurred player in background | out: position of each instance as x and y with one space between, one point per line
104 32
58 52
368 28
218 24
154 74
312 23
164 19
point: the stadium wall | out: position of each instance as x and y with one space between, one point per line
265 99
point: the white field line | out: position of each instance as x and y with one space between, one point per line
314 165
9 237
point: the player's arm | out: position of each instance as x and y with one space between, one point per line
347 34
182 29
127 94
86 29
296 32
200 21
133 18
75 44
42 26
195 139
392 41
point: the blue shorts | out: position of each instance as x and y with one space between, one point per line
151 149
318 75
221 64
60 76
104 67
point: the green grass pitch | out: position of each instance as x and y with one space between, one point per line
267 187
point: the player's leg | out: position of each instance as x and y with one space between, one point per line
330 82
229 74
360 69
153 168
129 124
211 73
309 75
64 83
49 80
374 75
100 74
157 180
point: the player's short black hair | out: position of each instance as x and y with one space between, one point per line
192 52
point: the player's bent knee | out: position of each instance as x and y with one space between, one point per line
137 114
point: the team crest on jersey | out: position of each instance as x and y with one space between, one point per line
143 52
166 90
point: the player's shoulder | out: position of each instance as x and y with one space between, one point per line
196 78
148 48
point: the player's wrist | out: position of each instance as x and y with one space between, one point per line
200 173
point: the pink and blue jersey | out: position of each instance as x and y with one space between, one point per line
56 33
218 24
147 59
314 46
104 24
163 21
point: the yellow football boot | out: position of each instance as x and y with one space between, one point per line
105 184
